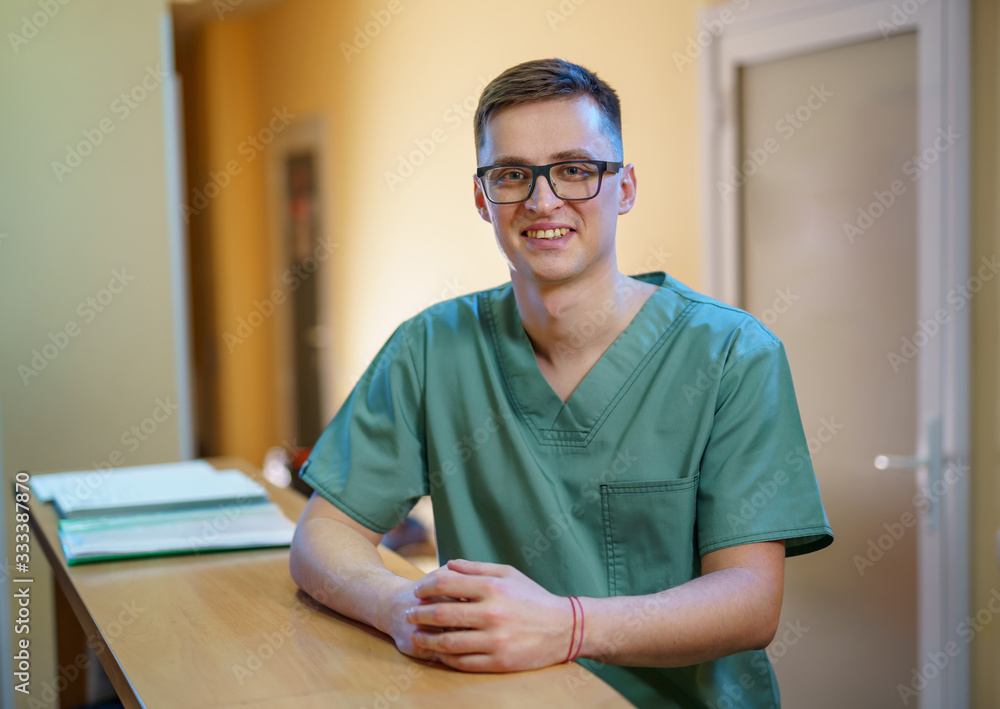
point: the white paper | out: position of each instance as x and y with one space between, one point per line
46 485
181 531
158 490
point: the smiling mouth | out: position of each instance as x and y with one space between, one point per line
546 233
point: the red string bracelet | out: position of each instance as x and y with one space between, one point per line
572 635
580 646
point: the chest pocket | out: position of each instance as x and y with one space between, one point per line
649 534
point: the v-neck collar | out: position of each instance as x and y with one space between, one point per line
575 422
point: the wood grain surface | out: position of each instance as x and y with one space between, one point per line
232 630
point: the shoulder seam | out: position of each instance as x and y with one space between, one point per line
770 343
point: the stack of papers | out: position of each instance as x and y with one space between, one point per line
177 508
178 532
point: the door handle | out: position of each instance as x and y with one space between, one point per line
898 462
928 468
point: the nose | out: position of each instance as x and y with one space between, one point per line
542 197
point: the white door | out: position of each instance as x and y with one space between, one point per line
831 161
840 299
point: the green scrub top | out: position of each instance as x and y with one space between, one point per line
684 438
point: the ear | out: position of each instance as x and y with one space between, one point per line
626 190
481 203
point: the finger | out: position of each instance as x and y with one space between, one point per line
418 652
438 599
480 568
456 642
446 615
453 585
471 663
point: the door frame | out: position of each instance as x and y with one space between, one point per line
744 33
302 135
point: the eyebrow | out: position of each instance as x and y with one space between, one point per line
575 154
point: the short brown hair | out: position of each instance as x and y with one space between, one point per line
546 80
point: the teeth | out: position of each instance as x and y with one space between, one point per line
547 233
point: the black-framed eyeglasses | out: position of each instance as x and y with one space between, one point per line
569 179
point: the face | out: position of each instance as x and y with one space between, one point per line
542 133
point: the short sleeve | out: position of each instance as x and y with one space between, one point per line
756 480
370 460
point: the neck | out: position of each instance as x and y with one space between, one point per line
574 320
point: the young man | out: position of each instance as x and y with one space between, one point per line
581 433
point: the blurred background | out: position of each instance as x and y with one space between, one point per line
213 214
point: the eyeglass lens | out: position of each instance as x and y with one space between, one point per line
576 180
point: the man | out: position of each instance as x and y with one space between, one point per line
581 433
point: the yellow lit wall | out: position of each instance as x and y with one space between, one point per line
396 83
240 256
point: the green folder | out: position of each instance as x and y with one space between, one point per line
226 527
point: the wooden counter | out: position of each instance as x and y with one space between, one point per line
232 629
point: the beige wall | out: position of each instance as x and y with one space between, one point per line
61 243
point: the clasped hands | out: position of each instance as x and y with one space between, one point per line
481 617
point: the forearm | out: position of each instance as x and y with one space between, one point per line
712 616
344 571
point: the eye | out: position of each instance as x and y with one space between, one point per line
511 175
576 171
